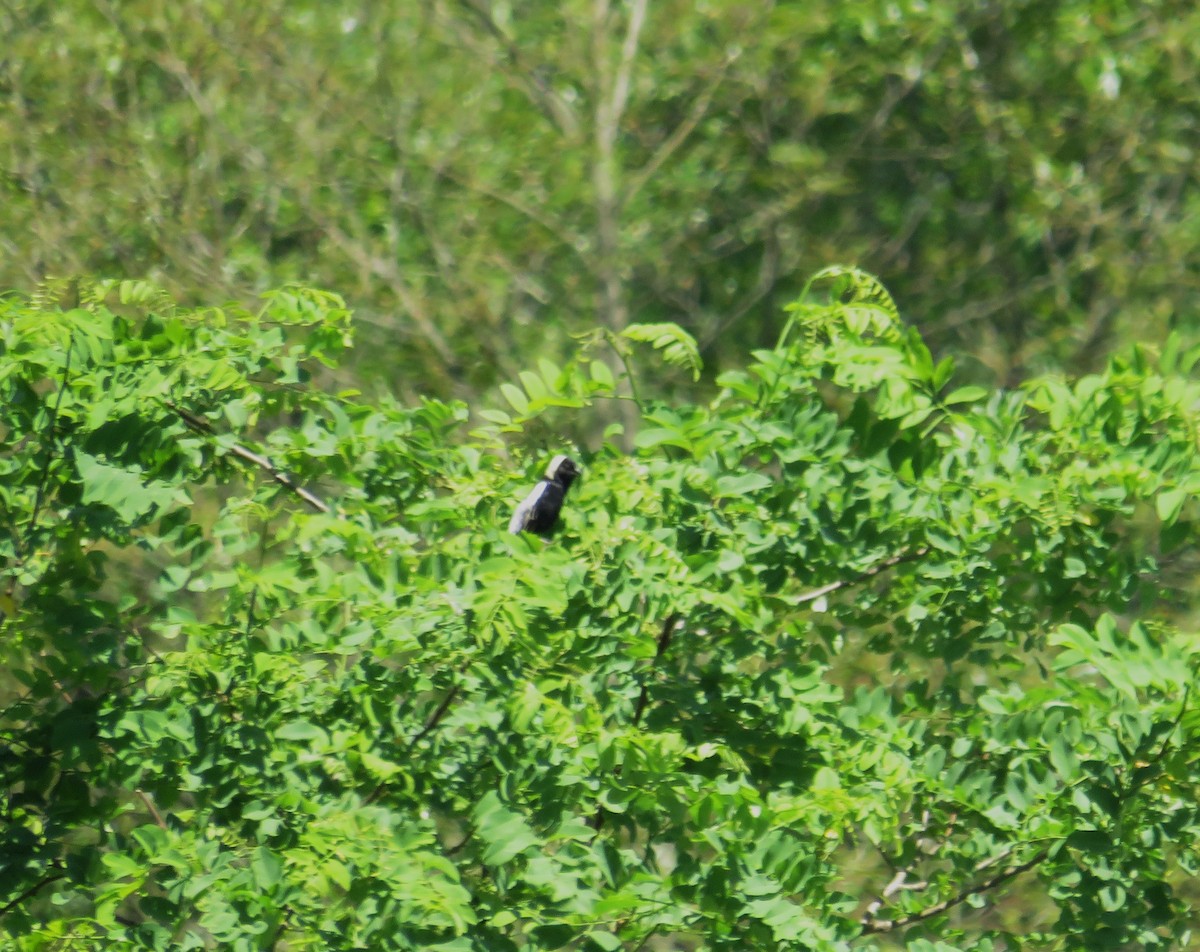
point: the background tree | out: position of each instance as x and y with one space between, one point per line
839 657
483 179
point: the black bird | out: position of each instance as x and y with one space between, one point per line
538 512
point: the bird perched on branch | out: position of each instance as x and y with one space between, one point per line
538 512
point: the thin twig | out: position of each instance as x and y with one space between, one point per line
664 639
149 804
33 890
1162 752
529 76
44 476
1150 775
870 573
431 723
898 882
436 717
615 343
871 926
768 272
382 266
678 136
994 860
540 218
203 426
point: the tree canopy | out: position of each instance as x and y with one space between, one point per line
861 630
840 655
482 179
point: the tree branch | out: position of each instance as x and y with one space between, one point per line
431 723
203 426
680 134
898 882
538 90
436 717
768 271
391 272
149 804
814 594
33 890
1183 706
871 925
664 639
620 96
607 121
543 221
52 428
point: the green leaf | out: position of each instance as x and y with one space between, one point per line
516 397
506 833
679 348
604 941
740 484
968 394
656 436
132 496
601 374
942 373
1064 759
301 731
267 869
1169 503
534 385
1112 897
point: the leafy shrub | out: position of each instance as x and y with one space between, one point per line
846 652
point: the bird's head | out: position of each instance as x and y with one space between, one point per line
562 470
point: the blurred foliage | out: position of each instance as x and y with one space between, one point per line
482 179
839 657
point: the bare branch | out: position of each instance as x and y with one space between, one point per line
391 272
768 271
1148 775
664 639
201 425
51 436
432 722
604 174
529 76
696 114
33 890
871 925
153 810
898 882
620 95
436 717
812 596
543 221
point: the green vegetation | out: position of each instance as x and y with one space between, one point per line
838 656
862 631
481 179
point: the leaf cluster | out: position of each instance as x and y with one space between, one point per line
840 657
483 181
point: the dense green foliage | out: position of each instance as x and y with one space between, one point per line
481 179
839 657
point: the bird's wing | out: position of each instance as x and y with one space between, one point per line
520 518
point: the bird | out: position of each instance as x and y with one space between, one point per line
538 512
